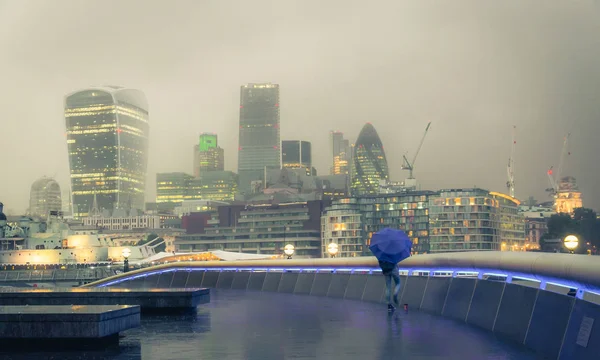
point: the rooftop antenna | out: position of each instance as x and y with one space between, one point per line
510 184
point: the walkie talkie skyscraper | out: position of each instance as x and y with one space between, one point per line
107 138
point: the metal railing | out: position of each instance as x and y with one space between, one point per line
54 275
577 272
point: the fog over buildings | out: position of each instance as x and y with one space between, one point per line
473 68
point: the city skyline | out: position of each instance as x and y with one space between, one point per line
325 85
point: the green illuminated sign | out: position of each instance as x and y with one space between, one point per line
207 141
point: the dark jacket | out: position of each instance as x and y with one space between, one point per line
387 267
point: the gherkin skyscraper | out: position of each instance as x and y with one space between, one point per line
369 165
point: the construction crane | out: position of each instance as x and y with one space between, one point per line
510 184
554 177
410 165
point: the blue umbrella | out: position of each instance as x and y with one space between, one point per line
390 245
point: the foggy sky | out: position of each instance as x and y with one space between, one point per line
473 68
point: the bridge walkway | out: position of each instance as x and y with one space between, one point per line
240 324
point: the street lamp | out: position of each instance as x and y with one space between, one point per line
571 242
289 250
332 249
126 253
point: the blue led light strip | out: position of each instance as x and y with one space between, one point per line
509 277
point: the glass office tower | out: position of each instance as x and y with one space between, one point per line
296 154
208 156
107 137
369 163
341 150
45 196
259 141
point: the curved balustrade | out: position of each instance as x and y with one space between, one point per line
454 285
581 272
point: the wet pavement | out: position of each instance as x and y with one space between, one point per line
265 326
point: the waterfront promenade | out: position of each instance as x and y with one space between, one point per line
264 326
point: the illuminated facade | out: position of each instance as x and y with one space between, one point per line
259 140
208 156
172 189
123 223
198 206
44 197
107 137
341 152
568 198
407 211
296 154
511 222
260 229
369 165
475 220
342 224
213 185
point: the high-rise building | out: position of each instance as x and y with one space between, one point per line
107 137
369 165
296 154
44 197
259 141
341 151
208 156
213 185
172 189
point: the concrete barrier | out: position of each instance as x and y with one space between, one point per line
271 282
582 338
256 281
337 285
139 282
151 281
458 300
195 279
320 286
553 325
210 279
304 283
484 304
240 280
58 327
374 289
549 322
356 287
435 294
288 282
514 314
147 299
164 280
180 279
225 279
413 291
